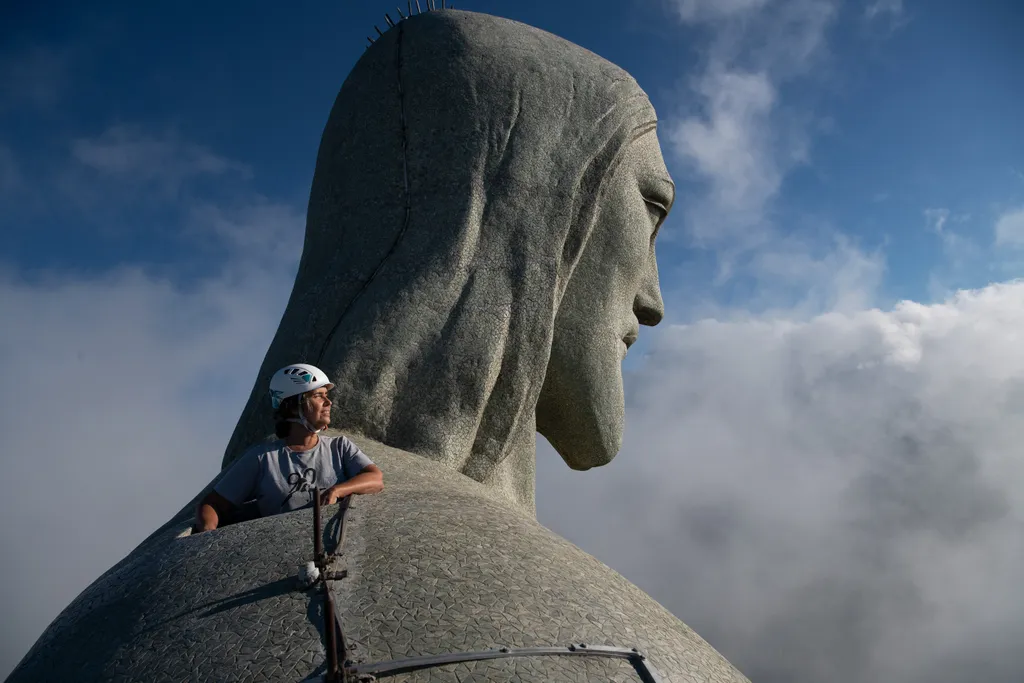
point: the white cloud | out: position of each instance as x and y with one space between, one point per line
893 9
797 281
704 10
131 381
936 218
738 138
129 388
963 260
968 257
1009 228
260 230
887 15
834 499
732 133
130 176
131 152
731 148
787 277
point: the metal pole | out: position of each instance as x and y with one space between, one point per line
318 537
329 633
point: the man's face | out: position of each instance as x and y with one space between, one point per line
318 408
613 290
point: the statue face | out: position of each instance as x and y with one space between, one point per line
613 290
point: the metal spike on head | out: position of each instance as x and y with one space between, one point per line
430 5
387 18
369 40
419 10
400 15
379 32
442 4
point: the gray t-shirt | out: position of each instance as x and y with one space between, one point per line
282 480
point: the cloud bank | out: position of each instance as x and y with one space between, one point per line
835 499
124 386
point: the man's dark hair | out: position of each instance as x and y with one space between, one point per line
287 410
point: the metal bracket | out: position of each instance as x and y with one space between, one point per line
644 669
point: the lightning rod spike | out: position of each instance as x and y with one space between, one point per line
379 33
387 18
400 15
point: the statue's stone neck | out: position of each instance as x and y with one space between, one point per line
513 477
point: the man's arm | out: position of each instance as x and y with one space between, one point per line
369 480
236 486
210 510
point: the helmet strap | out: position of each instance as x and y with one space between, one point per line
302 419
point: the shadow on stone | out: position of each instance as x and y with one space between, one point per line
270 590
334 529
315 613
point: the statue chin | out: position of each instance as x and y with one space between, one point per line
584 438
581 409
581 455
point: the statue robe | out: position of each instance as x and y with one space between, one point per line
436 563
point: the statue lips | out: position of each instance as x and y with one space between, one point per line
629 340
630 336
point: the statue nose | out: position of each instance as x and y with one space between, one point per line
648 305
649 313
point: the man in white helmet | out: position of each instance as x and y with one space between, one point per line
280 475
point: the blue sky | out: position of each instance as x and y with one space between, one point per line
833 399
896 109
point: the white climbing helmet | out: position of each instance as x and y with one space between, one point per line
296 379
293 380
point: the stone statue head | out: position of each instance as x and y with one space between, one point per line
479 249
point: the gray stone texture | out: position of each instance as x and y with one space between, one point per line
436 563
477 241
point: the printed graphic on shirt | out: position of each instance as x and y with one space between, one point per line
301 483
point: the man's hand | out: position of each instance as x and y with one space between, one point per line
369 480
333 494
